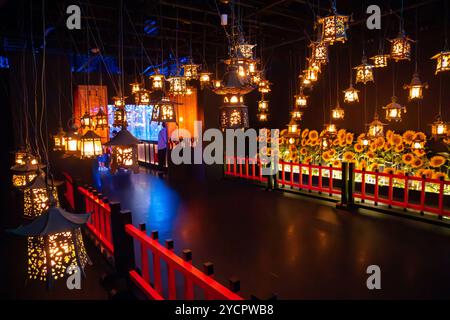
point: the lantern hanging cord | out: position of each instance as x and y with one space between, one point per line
446 25
417 40
43 120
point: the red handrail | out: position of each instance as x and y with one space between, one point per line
69 194
211 288
245 168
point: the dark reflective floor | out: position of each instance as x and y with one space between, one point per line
296 247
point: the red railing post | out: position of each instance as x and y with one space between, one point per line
363 185
376 188
292 174
188 284
330 182
144 257
171 274
208 269
122 242
441 197
157 280
310 184
391 191
406 192
422 194
320 179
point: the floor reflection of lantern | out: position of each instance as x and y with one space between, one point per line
59 140
157 80
376 128
101 119
90 145
142 97
334 27
24 174
164 111
86 121
351 95
36 198
124 151
401 47
380 60
319 52
394 111
415 88
72 139
205 79
442 61
338 113
364 72
177 85
135 87
439 128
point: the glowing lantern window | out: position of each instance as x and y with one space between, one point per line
301 100
19 156
177 85
252 67
164 111
124 151
364 72
380 61
205 79
334 27
319 52
293 131
255 79
217 83
264 86
442 61
72 142
351 95
401 47
330 128
120 118
142 97
376 128
119 101
59 140
135 87
262 117
245 50
86 121
233 113
415 88
394 111
439 128
337 113
314 65
296 114
417 144
36 198
101 119
90 145
157 81
190 71
311 75
24 174
263 105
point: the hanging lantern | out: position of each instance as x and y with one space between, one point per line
337 113
244 50
255 79
394 111
59 143
319 52
314 65
142 97
334 27
233 113
264 86
442 61
364 72
119 101
301 100
164 111
157 80
177 85
189 91
262 117
330 128
90 145
297 114
439 128
376 128
101 120
86 121
418 144
326 141
124 151
401 47
304 82
263 105
415 88
20 155
120 118
190 71
24 174
72 142
311 75
293 131
351 95
36 198
135 87
217 83
380 60
205 79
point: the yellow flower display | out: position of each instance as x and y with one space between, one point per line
303 151
304 142
440 175
326 156
396 140
380 141
349 138
408 158
341 135
336 142
305 133
374 167
336 163
348 156
358 148
428 173
408 136
373 147
399 148
292 148
313 135
437 161
389 170
417 163
283 132
419 153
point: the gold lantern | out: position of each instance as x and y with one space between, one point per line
418 144
304 82
205 79
59 140
119 101
311 74
157 80
319 52
442 61
394 110
72 142
351 95
314 65
86 121
380 60
364 72
252 68
120 118
178 85
164 110
233 113
439 128
124 151
293 131
264 86
296 114
301 100
217 83
263 105
337 113
190 70
415 88
142 97
334 27
101 119
376 129
401 47
36 198
244 50
24 174
255 78
90 145
135 87
262 117
330 128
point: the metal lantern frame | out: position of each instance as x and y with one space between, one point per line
86 121
380 60
330 128
190 70
351 95
319 52
301 100
72 145
442 61
334 27
23 175
394 110
178 85
90 145
364 72
204 79
37 198
157 81
439 128
119 101
376 128
164 110
142 97
264 86
297 114
293 131
59 143
120 117
135 87
415 88
401 47
101 119
233 112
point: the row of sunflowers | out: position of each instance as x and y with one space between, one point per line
392 153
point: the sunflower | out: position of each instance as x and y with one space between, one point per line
417 163
332 152
336 142
389 134
362 165
396 140
342 143
373 147
361 137
303 151
283 132
389 170
440 175
304 142
419 153
419 173
313 135
336 163
408 158
326 156
348 156
399 148
387 146
380 141
358 148
341 135
420 136
282 140
428 173
437 161
370 154
305 133
408 136
308 160
349 138
292 148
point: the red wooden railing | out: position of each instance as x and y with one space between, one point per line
100 222
404 201
244 167
69 194
192 276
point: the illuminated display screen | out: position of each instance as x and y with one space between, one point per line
139 122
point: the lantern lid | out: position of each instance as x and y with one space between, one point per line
393 104
90 134
440 54
415 81
233 84
60 132
123 138
27 166
351 88
72 134
376 121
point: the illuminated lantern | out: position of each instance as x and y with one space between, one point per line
72 143
190 70
135 87
334 27
401 47
59 140
24 174
263 105
337 113
439 128
124 151
415 88
177 85
297 114
380 61
262 116
418 144
301 100
55 244
101 119
142 97
36 198
306 83
442 61
311 74
252 67
351 95
217 83
119 101
188 91
120 118
330 128
205 79
164 111
244 50
86 121
319 52
293 131
157 80
255 79
326 141
264 86
90 145
376 129
314 65
19 156
394 111
364 72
